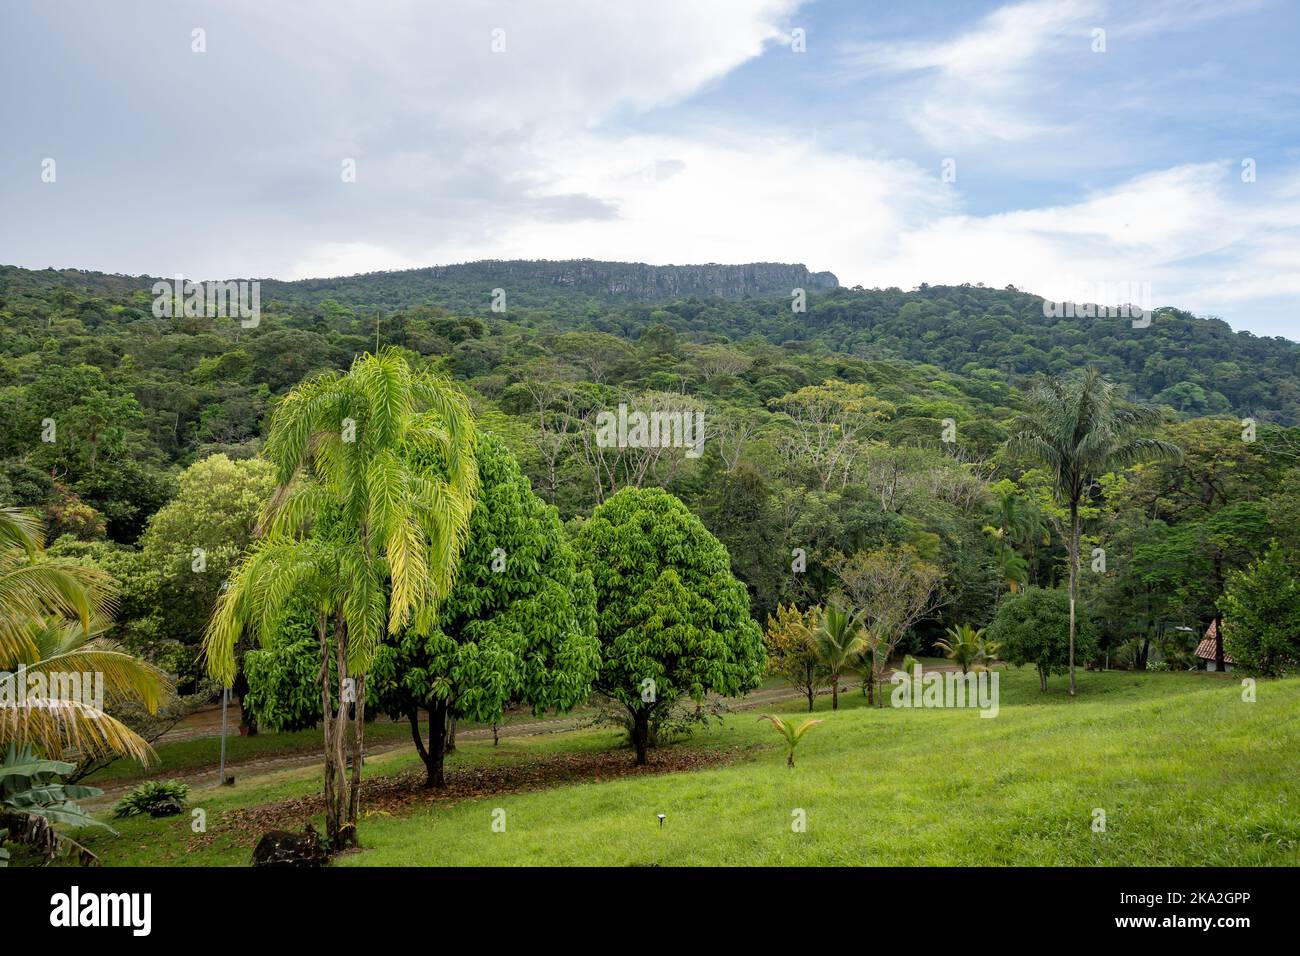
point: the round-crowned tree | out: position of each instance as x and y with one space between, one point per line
672 620
1033 627
517 627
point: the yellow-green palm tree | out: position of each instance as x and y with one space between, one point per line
76 666
1078 428
376 482
33 588
52 618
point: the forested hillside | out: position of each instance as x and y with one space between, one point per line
874 419
1194 365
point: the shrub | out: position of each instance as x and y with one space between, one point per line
150 796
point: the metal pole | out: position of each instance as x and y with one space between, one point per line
225 698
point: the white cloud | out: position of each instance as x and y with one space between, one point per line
503 64
1202 238
1199 236
1021 73
450 139
463 153
976 86
736 199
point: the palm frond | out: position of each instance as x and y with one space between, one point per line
125 677
21 528
59 727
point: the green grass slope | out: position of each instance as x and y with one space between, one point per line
1185 770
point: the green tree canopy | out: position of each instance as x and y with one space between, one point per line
672 620
1033 627
518 625
1261 611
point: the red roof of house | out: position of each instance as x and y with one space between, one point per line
1205 650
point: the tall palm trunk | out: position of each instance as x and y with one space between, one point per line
340 819
358 753
332 821
1074 579
1219 664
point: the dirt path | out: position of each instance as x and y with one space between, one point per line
206 727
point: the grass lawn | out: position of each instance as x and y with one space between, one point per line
1186 772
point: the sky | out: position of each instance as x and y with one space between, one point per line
1078 149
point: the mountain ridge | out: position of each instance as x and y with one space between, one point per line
620 281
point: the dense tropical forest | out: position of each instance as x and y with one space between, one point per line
952 443
865 378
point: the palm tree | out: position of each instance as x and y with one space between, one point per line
52 617
838 641
376 481
965 646
1019 525
988 650
33 588
1013 567
792 734
1078 428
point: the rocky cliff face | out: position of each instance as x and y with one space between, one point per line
636 280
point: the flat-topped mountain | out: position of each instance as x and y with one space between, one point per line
628 281
525 280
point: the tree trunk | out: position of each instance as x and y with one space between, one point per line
327 712
246 716
413 717
344 835
1218 615
835 692
358 753
1042 679
451 735
641 734
434 755
1074 581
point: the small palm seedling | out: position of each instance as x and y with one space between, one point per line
791 733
